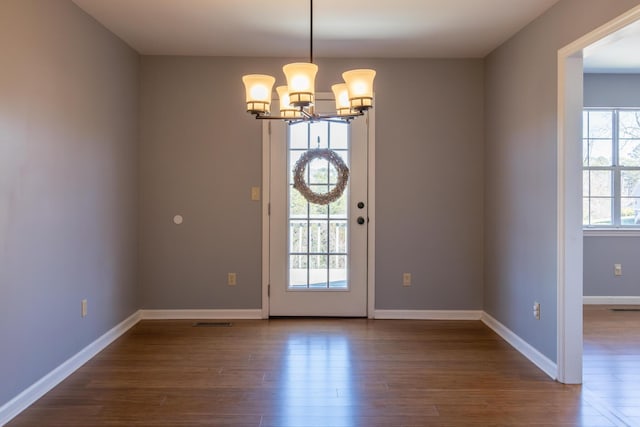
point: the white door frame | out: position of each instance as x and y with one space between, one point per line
266 197
569 215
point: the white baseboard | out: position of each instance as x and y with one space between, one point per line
200 314
18 404
540 360
22 401
428 314
611 300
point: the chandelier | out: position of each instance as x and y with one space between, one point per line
353 97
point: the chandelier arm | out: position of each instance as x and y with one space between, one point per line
325 117
334 118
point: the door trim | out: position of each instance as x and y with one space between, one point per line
371 194
266 198
569 223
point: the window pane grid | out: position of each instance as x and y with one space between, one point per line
318 245
611 164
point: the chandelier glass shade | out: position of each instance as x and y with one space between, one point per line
353 97
259 88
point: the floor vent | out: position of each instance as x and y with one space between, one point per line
213 324
625 309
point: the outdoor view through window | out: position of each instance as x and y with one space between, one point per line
318 234
611 168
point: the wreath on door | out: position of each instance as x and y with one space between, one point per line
301 185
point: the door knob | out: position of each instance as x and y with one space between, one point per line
360 205
360 220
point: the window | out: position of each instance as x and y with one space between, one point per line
318 234
611 168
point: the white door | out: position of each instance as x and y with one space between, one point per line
318 253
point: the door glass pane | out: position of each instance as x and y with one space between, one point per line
338 271
333 172
338 237
319 130
339 136
318 237
318 272
298 271
294 156
318 211
298 137
298 206
298 237
338 209
318 234
318 172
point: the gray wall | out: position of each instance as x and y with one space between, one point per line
600 255
68 198
612 90
201 153
520 168
602 252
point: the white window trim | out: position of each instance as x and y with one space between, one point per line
617 228
611 232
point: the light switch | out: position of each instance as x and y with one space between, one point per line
232 279
406 279
255 193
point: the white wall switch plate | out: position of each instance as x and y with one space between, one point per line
255 193
231 279
406 279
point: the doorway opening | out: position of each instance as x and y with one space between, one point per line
570 230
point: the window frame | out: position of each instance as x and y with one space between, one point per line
616 170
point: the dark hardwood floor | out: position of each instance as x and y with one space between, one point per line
334 372
612 360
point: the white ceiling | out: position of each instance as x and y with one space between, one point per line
617 53
342 28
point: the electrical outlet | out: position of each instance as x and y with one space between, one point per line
536 310
617 269
83 309
406 279
231 279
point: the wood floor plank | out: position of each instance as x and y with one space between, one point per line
612 359
330 372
